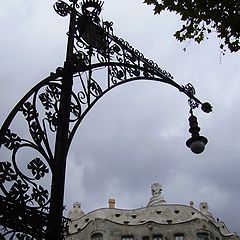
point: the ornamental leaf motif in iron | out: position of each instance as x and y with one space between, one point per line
38 168
36 132
6 172
18 192
29 111
46 100
52 119
40 195
11 140
75 110
53 91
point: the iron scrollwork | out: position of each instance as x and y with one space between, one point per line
26 162
62 8
189 90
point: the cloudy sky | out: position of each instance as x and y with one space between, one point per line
135 135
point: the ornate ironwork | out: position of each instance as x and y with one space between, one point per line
62 8
28 159
26 162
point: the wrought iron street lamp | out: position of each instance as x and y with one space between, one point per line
196 143
52 111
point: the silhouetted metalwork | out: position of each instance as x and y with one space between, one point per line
36 136
196 143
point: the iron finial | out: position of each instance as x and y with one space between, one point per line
94 5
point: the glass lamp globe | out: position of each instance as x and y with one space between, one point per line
197 146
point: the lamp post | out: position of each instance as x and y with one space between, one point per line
52 111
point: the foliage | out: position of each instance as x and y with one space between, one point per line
202 17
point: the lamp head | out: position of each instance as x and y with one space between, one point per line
197 144
92 6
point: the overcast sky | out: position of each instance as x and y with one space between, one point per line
135 135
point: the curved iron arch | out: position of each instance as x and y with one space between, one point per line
133 79
22 191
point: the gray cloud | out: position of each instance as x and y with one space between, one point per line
135 135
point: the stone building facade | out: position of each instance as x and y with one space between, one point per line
157 221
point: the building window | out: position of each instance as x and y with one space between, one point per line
178 237
97 236
145 238
157 237
127 238
202 236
